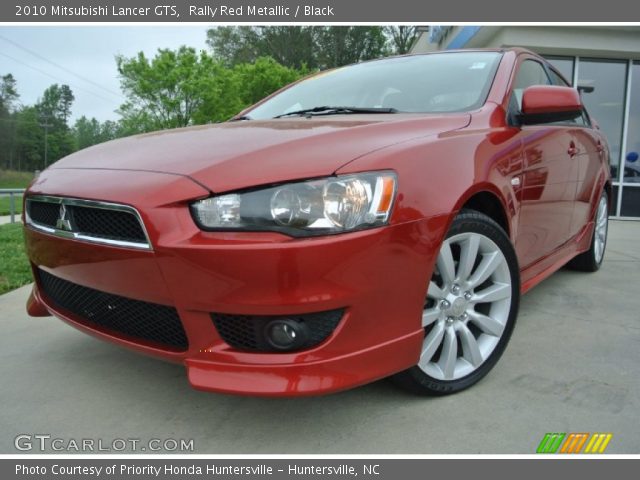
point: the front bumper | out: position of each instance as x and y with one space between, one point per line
377 276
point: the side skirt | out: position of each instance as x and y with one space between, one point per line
535 273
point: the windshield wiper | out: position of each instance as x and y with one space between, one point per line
328 110
238 119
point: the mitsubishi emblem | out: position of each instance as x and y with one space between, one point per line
63 222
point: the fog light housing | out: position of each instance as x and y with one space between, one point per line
250 333
286 334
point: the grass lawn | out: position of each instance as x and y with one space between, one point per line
14 266
4 204
12 179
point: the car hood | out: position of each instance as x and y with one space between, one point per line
236 155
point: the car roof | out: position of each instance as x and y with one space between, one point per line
517 50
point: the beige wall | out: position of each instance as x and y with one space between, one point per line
610 42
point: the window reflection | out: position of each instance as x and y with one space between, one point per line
564 65
630 206
606 103
632 162
613 204
530 73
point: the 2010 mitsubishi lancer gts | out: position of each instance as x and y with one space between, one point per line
380 219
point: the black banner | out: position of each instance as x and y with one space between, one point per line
279 469
317 11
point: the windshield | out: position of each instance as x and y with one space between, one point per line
443 82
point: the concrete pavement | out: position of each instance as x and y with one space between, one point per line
573 365
4 219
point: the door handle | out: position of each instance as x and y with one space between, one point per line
572 150
600 147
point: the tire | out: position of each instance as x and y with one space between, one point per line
470 309
591 260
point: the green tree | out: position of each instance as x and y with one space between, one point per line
220 91
163 92
402 37
88 132
338 46
22 130
8 100
54 110
181 88
292 47
298 47
56 102
263 77
29 139
228 91
8 93
234 45
109 130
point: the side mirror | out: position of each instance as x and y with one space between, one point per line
547 103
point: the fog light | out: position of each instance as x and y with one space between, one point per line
286 334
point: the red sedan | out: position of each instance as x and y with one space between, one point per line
380 219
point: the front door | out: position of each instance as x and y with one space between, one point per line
548 187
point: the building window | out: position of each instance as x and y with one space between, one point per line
613 208
606 103
630 205
632 162
564 65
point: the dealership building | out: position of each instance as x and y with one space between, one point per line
606 58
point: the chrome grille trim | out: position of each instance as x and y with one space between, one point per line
79 235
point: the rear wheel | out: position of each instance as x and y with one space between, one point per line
470 308
591 260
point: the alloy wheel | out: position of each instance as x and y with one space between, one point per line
600 239
467 306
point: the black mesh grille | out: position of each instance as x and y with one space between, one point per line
151 322
246 332
110 224
237 330
44 213
90 221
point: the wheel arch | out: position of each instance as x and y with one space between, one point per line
488 201
608 188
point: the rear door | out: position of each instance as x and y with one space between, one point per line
591 151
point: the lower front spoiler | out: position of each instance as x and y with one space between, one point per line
309 378
36 307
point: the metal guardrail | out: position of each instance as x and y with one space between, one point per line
12 192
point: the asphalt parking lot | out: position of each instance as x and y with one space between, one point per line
573 365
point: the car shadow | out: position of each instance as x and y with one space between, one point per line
154 397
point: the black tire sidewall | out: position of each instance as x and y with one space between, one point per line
415 378
586 261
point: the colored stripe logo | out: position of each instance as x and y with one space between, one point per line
550 443
574 443
598 443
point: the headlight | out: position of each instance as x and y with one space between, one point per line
315 207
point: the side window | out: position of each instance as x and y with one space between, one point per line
530 73
557 79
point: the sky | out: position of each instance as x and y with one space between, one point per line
84 59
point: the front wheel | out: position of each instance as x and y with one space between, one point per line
470 308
